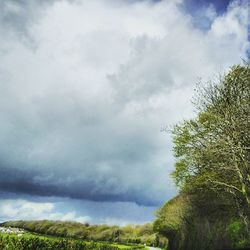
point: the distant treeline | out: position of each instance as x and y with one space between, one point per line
140 234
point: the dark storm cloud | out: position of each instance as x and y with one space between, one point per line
22 182
81 113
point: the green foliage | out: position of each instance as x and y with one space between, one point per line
213 149
31 242
140 234
170 217
221 125
212 169
188 228
236 232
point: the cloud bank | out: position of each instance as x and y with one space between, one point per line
26 210
86 87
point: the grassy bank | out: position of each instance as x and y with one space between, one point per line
128 235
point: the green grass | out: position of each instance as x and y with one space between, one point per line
30 241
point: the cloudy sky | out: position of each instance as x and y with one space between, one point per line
86 88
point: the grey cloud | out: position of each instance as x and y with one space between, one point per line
23 182
17 15
81 114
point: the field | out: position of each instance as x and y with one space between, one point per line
30 241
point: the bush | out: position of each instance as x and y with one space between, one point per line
13 242
236 233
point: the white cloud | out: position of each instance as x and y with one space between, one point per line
70 216
20 209
121 222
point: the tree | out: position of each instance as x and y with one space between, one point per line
213 149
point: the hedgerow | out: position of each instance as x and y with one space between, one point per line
29 242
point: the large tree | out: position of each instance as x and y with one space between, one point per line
213 149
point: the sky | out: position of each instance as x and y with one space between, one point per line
87 88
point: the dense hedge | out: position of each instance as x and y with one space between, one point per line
189 227
29 242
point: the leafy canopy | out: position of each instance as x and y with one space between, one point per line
213 149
